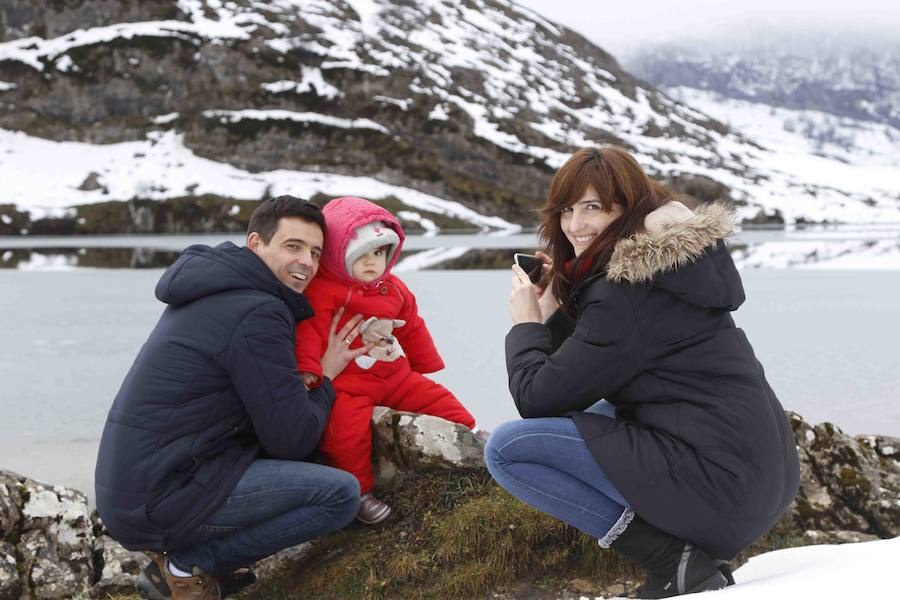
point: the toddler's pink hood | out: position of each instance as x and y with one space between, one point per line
342 217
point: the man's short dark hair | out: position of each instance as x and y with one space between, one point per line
264 219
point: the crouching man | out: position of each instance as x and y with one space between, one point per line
201 463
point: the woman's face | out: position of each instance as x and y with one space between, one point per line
586 219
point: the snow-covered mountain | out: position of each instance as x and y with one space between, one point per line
457 113
845 77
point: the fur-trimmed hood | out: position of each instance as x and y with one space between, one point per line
671 254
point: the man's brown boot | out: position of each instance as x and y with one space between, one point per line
156 583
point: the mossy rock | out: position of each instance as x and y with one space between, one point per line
459 535
453 535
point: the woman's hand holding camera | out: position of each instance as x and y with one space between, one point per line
546 300
530 303
523 301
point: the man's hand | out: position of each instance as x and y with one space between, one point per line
338 353
523 301
309 379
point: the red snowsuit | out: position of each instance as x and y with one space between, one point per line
347 440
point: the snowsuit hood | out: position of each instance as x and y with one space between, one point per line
342 217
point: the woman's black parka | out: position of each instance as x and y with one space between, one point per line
700 445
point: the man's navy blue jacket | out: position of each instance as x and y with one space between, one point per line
215 385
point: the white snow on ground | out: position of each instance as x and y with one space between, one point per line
163 119
234 116
821 254
859 571
820 167
43 176
427 258
426 224
821 572
310 80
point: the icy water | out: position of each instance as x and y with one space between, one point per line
827 338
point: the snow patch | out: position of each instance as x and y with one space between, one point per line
66 64
235 116
428 258
311 81
401 104
426 224
439 113
162 167
825 572
163 119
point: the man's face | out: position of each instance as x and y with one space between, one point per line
293 253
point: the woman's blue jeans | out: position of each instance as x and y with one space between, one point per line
546 463
275 505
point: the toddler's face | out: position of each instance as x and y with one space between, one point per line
371 265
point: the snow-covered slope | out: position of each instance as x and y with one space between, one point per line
825 71
475 103
859 571
851 161
155 167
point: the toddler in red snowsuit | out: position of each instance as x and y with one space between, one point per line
362 243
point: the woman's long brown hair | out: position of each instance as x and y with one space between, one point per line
616 177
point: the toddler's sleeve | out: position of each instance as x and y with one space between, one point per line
311 337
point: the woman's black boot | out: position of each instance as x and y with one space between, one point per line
674 566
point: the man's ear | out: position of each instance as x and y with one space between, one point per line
253 241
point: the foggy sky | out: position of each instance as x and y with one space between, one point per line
620 26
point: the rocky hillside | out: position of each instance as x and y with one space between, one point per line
456 113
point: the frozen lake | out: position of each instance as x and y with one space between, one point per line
827 338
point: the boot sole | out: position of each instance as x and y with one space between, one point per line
714 582
146 589
381 517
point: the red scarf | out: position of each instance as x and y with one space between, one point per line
583 270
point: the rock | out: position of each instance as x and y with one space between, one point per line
50 532
847 483
10 580
267 566
52 547
91 182
118 567
408 442
840 536
10 500
57 541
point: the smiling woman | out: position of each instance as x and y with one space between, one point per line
648 422
595 191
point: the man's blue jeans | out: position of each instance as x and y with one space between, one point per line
276 504
546 463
